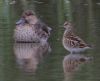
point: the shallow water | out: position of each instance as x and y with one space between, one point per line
47 66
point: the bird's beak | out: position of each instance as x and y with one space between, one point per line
49 28
21 21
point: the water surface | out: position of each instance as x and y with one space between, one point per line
47 66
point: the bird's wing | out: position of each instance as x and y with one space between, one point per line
77 41
44 27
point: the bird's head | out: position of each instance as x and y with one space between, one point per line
67 25
30 16
27 17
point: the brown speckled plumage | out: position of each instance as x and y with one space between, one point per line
31 29
72 42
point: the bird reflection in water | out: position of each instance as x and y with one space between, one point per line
29 55
72 63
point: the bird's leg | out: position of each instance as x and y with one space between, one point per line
72 52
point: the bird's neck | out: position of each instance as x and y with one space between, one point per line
68 32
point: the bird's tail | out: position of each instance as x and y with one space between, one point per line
89 47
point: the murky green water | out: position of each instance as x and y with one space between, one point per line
32 62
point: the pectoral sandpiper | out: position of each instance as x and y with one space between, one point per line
72 42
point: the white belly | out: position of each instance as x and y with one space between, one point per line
74 49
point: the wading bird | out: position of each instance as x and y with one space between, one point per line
72 42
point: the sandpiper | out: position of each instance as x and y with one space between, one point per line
72 42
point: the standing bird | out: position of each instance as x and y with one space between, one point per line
72 42
30 29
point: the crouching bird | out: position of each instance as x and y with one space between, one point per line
30 29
